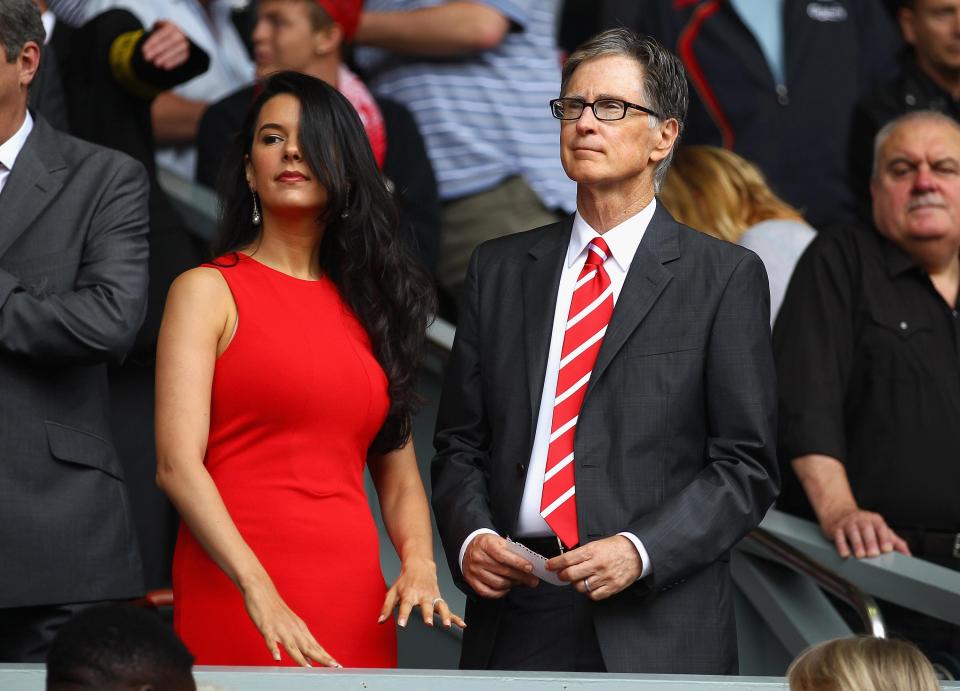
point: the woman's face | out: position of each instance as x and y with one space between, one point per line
276 168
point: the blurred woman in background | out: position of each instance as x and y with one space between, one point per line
719 193
862 663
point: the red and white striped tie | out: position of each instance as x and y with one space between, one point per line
590 311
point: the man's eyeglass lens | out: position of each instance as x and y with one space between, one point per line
572 108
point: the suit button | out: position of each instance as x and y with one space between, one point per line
521 469
783 95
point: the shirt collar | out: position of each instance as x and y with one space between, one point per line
897 259
11 148
623 239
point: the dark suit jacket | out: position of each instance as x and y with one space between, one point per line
675 439
73 281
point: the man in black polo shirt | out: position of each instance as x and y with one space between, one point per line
867 346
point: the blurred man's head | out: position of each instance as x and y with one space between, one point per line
21 35
916 186
118 648
932 27
303 35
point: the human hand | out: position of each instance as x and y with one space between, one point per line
491 569
280 626
168 47
866 532
417 585
600 569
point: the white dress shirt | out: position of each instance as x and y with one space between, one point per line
623 241
11 148
231 67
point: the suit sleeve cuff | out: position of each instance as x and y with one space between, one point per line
463 547
644 557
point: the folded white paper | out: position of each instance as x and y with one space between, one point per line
538 560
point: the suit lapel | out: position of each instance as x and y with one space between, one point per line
35 180
541 280
646 280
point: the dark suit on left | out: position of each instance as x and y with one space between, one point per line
73 281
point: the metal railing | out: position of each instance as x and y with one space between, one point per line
864 605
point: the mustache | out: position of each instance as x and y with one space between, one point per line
928 199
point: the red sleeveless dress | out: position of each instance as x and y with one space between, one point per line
297 399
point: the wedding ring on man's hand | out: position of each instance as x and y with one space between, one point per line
586 584
436 600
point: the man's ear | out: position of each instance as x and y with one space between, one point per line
669 131
906 17
328 40
28 63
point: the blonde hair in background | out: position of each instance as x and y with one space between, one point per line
862 663
719 193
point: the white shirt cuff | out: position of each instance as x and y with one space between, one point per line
644 557
480 531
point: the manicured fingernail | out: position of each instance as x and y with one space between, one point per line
402 622
276 656
381 619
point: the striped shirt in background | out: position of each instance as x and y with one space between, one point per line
485 116
70 12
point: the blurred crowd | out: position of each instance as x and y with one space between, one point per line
787 150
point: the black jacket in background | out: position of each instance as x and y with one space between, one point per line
115 112
836 52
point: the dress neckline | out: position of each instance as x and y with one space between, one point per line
259 263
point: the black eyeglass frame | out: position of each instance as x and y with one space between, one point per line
593 107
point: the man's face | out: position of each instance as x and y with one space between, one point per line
932 27
601 153
15 77
916 190
284 37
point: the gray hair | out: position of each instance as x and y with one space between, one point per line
664 83
933 116
19 23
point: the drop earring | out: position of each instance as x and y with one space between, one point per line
256 218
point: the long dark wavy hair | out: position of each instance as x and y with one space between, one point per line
362 251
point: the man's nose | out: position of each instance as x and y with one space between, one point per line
587 122
924 179
260 31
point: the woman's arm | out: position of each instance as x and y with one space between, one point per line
198 323
403 504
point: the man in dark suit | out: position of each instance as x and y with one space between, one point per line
73 280
611 385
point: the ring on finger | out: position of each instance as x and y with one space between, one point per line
436 600
586 584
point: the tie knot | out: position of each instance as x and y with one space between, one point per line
597 252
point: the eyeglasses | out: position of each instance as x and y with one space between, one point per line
603 109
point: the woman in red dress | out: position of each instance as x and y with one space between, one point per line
283 368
